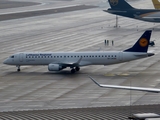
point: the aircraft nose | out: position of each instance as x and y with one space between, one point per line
5 61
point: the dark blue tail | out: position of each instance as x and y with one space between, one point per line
119 4
142 44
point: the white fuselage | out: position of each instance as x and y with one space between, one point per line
87 58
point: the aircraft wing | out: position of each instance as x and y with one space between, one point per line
70 64
154 90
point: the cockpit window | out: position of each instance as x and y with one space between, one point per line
12 56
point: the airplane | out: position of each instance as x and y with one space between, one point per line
156 4
122 8
154 90
57 61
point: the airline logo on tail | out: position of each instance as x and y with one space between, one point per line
143 42
114 2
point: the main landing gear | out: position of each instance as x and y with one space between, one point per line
18 68
73 70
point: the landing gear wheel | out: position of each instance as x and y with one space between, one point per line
18 69
73 70
77 68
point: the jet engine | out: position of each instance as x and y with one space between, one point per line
54 67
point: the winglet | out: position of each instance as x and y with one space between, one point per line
77 63
79 60
95 81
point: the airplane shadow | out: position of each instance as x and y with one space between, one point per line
23 73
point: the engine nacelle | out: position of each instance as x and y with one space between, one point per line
54 67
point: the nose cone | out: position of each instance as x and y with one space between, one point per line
5 61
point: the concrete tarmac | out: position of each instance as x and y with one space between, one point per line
98 113
36 88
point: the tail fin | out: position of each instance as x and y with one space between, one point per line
142 44
156 4
119 4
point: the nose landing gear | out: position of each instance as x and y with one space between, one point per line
18 68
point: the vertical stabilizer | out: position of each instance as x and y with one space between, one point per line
142 44
119 4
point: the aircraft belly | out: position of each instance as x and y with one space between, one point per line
114 61
156 14
154 17
84 63
105 61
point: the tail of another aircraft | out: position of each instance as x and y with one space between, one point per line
119 4
156 4
142 44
